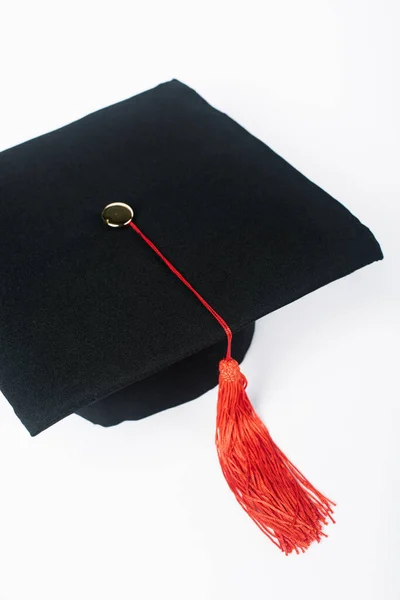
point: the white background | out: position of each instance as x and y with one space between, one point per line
141 511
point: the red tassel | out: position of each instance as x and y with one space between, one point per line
279 499
284 505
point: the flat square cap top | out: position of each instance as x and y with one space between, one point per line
87 310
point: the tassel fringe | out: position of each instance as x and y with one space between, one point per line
273 492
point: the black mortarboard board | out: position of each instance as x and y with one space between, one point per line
91 320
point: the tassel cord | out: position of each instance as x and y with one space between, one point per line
279 499
171 267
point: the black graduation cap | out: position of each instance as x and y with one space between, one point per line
92 321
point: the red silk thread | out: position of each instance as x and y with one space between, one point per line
273 492
171 267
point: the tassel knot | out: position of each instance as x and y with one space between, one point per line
229 371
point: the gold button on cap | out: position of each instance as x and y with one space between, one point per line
117 214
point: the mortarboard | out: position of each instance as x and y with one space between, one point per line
92 321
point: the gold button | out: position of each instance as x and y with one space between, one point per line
117 214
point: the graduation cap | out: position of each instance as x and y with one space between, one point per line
138 247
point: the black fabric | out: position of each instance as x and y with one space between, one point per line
87 310
183 381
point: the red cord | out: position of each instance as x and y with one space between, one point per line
214 313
